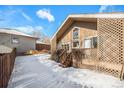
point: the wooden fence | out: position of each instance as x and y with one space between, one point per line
43 46
6 67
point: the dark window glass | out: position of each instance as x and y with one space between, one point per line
76 44
76 33
94 42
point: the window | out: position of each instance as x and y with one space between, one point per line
87 43
90 42
63 46
94 42
67 47
76 43
15 40
76 33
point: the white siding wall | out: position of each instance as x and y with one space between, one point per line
25 43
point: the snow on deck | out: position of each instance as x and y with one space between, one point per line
37 71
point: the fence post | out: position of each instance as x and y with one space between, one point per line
6 67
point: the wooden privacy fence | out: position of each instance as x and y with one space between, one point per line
43 46
6 67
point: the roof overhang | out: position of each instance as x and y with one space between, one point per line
22 35
15 32
38 42
86 18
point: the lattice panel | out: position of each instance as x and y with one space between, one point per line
113 72
110 44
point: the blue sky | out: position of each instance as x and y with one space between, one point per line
46 19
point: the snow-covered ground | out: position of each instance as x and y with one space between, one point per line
39 71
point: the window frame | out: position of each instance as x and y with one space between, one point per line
74 40
91 38
12 37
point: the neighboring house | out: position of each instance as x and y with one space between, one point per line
100 36
13 38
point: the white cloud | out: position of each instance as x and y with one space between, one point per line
45 14
39 27
26 16
103 8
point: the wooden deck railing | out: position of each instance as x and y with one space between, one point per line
6 67
85 58
85 53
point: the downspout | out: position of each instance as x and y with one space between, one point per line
122 69
97 61
122 72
